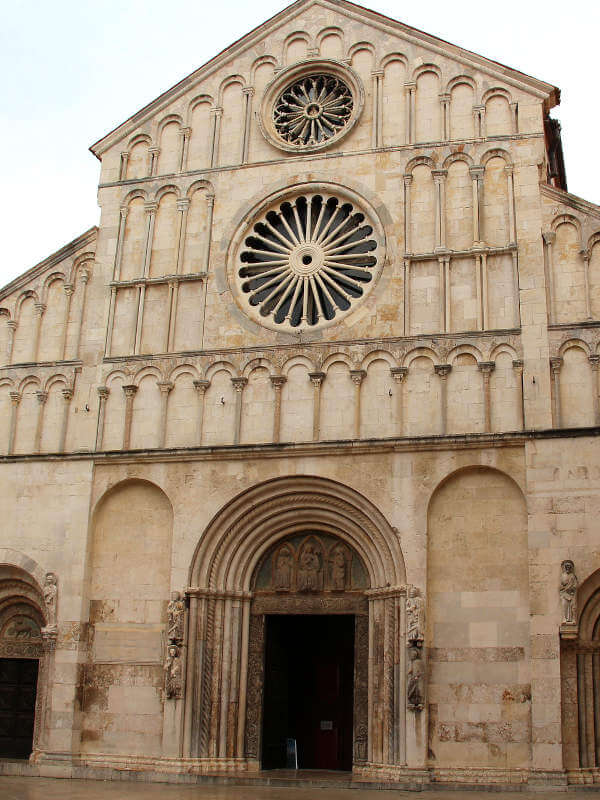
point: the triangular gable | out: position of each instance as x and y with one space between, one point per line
546 91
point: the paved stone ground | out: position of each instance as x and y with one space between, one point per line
56 789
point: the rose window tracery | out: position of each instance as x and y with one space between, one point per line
312 110
307 260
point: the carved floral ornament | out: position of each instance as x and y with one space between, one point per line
307 258
311 105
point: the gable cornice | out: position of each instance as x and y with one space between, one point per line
545 91
87 240
571 200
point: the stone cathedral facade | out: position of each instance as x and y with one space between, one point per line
298 446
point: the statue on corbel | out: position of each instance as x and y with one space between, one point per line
173 667
415 636
567 592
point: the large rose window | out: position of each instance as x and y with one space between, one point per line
307 260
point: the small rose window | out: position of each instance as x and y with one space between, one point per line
312 110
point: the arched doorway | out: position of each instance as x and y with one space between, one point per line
295 547
22 650
580 680
309 654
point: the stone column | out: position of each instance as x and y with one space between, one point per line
150 209
482 129
165 389
210 201
103 392
123 166
277 382
316 378
200 386
248 92
67 397
555 365
477 179
407 296
183 205
238 385
12 328
130 390
512 222
153 153
595 362
120 239
169 340
85 276
15 399
411 88
68 290
398 374
549 238
357 376
39 310
518 367
486 368
215 138
377 129
41 398
443 370
185 134
445 103
407 214
439 180
111 322
484 292
514 113
586 281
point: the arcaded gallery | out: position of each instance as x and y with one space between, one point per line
298 446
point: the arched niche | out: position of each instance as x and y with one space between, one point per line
477 619
338 555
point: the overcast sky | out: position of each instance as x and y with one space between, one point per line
74 69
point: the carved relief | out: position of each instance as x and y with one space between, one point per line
283 563
256 668
310 568
50 599
568 593
176 618
173 672
415 686
415 616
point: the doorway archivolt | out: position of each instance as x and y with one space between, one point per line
293 545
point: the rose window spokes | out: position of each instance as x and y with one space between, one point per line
307 260
312 110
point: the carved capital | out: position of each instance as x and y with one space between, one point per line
239 383
183 203
68 289
41 397
150 207
67 395
410 86
103 392
12 325
555 365
154 150
201 386
316 378
217 111
443 370
487 367
124 210
399 373
130 389
278 381
15 398
185 132
49 637
476 173
377 73
585 254
210 200
439 174
444 97
40 308
248 90
84 275
595 362
358 375
508 169
518 364
408 179
165 386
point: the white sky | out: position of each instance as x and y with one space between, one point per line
74 69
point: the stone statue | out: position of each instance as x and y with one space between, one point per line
283 570
50 595
415 615
338 570
173 672
568 592
415 683
309 570
176 614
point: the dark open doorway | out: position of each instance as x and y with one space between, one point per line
18 686
309 688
